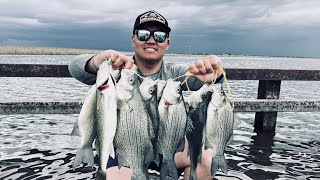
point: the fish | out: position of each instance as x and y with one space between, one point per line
148 89
97 120
106 113
160 87
134 130
172 127
86 128
75 130
198 101
219 127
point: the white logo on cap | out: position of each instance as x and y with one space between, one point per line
152 16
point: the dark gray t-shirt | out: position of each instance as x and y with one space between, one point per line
167 71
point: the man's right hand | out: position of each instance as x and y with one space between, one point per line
119 61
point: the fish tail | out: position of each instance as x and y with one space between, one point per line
168 171
122 162
84 155
111 150
193 175
140 174
104 161
100 175
104 156
138 177
180 147
194 159
219 162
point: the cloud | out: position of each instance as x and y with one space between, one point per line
232 25
19 42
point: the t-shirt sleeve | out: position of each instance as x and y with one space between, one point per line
77 69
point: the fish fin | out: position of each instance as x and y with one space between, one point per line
181 146
230 140
162 130
149 157
115 75
112 153
219 162
236 120
93 89
122 105
207 144
122 162
157 159
189 125
100 175
193 175
168 170
158 146
84 155
97 146
75 130
195 158
200 154
139 176
150 128
160 88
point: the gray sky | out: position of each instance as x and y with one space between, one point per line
265 27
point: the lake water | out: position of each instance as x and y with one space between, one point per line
39 146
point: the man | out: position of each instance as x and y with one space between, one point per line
150 41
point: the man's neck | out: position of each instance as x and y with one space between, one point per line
147 67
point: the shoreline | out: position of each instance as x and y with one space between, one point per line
37 50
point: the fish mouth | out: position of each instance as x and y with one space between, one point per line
104 86
166 103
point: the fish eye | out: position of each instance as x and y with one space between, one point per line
178 89
131 80
150 90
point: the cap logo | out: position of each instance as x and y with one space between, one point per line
152 16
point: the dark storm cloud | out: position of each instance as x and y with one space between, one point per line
279 28
75 36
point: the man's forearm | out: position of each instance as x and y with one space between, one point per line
79 70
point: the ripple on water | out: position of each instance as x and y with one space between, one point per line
50 152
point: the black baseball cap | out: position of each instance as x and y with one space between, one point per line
151 16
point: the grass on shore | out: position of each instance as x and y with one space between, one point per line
33 50
30 50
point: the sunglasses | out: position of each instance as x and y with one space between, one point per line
144 35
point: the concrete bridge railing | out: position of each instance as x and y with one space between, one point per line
266 105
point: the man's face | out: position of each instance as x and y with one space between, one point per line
149 50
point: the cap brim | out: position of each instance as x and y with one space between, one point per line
163 26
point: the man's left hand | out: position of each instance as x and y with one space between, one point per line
206 70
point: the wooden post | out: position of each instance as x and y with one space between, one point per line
266 121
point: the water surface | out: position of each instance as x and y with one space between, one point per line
39 146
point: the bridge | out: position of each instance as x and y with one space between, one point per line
266 106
